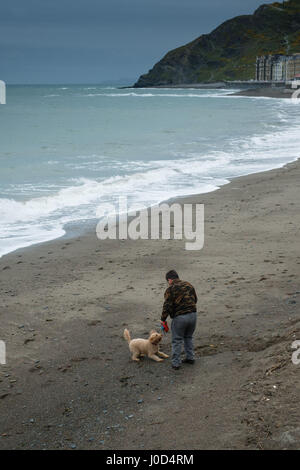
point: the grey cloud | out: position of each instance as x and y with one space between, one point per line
126 37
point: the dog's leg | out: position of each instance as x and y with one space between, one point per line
135 357
155 358
161 354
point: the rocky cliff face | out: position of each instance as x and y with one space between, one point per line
229 52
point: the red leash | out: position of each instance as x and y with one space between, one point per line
164 327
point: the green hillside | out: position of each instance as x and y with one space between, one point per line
229 52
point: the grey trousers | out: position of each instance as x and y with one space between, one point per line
183 328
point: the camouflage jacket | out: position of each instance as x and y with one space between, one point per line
180 298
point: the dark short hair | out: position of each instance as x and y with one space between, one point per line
172 275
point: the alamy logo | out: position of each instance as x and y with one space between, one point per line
2 92
296 96
162 221
2 353
296 354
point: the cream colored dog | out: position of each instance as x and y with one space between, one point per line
141 347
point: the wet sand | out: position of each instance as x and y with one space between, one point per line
266 92
69 382
254 91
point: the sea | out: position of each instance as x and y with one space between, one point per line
67 150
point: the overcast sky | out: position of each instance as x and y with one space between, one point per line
93 41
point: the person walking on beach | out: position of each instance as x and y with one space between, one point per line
180 304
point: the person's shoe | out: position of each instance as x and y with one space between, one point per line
176 367
188 361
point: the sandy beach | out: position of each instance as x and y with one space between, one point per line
255 91
266 92
69 382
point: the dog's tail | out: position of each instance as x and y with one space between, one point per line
127 335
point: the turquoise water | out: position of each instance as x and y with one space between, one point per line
65 150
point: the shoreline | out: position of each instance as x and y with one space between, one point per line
263 90
77 228
279 93
69 378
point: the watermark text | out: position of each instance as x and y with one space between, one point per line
296 354
2 353
2 92
163 221
296 96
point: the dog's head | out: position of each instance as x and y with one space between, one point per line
155 338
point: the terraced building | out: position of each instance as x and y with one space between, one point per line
277 68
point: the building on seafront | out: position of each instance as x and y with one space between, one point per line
277 68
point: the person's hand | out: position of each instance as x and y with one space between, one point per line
165 326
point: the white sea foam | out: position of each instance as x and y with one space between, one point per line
158 95
30 235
